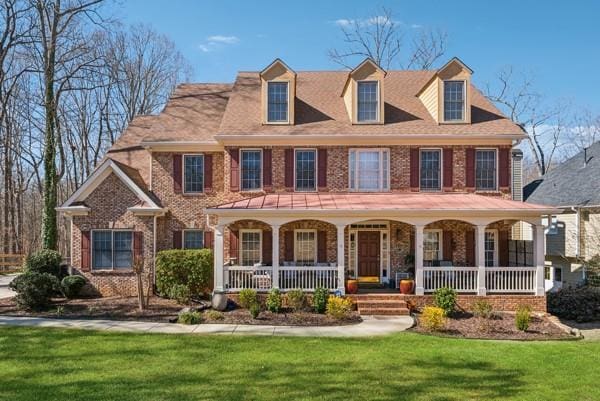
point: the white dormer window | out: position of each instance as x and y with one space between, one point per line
368 101
454 100
277 102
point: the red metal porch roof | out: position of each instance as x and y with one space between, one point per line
380 201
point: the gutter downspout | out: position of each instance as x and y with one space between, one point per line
578 236
155 218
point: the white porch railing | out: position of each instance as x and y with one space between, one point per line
307 277
498 280
462 279
510 279
240 277
260 278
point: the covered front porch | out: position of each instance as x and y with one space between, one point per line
306 241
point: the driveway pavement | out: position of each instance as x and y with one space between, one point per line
590 331
370 326
5 279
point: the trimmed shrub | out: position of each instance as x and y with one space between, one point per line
523 318
44 261
296 299
339 307
34 290
433 318
581 304
483 308
247 298
71 286
255 310
320 299
273 302
214 315
189 268
189 318
445 298
181 293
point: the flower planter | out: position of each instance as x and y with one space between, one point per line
407 286
351 286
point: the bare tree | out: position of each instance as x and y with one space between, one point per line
584 131
380 38
544 124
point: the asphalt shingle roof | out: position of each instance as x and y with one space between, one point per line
572 183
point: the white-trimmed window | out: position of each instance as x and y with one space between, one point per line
432 245
306 169
369 170
454 100
431 169
277 102
250 247
193 174
251 161
485 169
305 247
112 249
193 239
491 248
368 101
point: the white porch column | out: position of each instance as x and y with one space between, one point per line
539 258
275 255
480 258
340 258
419 284
219 282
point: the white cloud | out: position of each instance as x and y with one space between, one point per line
343 22
223 39
215 42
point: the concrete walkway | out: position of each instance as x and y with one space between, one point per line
370 326
5 279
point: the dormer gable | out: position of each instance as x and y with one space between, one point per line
278 92
364 93
447 95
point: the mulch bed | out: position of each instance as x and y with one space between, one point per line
116 308
284 318
500 327
165 310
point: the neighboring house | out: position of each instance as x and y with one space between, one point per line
305 179
573 236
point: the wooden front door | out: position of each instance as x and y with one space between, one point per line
368 253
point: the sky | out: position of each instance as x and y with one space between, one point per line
555 42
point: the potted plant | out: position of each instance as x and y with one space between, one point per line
407 286
351 283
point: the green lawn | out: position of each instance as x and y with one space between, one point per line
51 364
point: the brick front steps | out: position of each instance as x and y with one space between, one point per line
380 304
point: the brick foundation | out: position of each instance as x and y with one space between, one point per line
505 303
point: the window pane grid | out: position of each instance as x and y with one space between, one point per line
305 248
278 101
490 248
367 101
454 100
430 170
369 170
194 173
431 245
123 249
251 169
485 169
250 248
112 249
193 239
305 170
